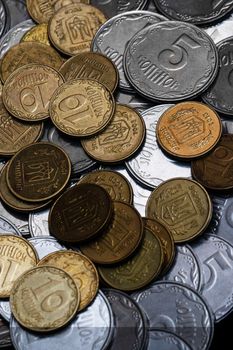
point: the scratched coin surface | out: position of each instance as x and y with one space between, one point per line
171 61
28 90
81 107
183 206
189 130
72 28
17 255
120 139
45 298
80 213
37 33
165 340
38 172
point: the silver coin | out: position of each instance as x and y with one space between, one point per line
14 36
114 7
151 166
5 310
216 258
38 223
3 18
171 61
18 11
113 35
133 100
151 6
180 310
20 220
221 30
91 329
6 226
163 340
227 126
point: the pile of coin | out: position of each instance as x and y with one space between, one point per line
116 157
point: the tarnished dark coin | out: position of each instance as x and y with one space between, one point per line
114 7
80 213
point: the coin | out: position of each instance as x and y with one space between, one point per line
90 65
44 299
3 18
80 268
164 339
17 255
28 90
81 107
72 28
38 33
5 339
7 226
132 100
20 219
140 269
38 172
214 170
119 240
80 213
113 8
114 183
183 206
26 53
17 11
120 139
189 130
220 31
38 223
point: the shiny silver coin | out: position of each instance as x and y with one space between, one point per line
5 339
6 226
133 100
114 7
164 340
18 11
4 18
38 223
227 125
5 310
171 61
20 220
221 30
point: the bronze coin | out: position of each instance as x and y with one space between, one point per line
38 172
72 28
189 130
214 171
183 206
119 240
27 53
113 182
37 33
91 65
120 139
80 213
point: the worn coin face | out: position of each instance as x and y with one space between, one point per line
120 139
81 107
189 130
171 61
80 213
165 340
38 223
80 268
17 255
72 28
28 90
183 206
44 299
38 172
38 33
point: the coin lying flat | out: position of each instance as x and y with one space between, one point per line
20 219
38 172
5 339
7 226
38 223
38 33
221 30
17 10
81 107
3 19
114 7
164 340
17 255
44 299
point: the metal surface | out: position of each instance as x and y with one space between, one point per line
163 340
113 7
38 223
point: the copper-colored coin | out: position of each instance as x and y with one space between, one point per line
44 299
166 240
140 269
91 65
113 182
27 91
37 33
17 255
38 172
214 171
80 268
82 107
27 53
41 11
189 130
120 139
80 213
119 240
72 28
183 206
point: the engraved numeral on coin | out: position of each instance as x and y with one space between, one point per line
177 57
8 270
31 98
216 3
76 107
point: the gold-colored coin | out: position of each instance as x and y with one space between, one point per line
44 299
37 33
113 182
120 139
17 255
41 11
72 28
140 269
91 65
81 107
27 53
80 268
183 206
189 130
28 90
